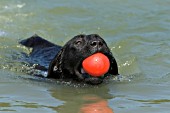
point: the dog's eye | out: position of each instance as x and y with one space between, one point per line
78 42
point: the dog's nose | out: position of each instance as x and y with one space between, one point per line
96 43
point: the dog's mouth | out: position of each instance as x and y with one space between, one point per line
91 79
83 75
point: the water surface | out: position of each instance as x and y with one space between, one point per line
137 33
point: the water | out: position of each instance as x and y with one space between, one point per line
136 31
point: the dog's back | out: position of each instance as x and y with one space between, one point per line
42 52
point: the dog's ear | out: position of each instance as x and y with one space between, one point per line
113 65
55 69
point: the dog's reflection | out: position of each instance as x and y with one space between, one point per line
82 100
95 104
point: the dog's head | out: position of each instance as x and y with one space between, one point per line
68 62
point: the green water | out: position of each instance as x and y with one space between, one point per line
137 32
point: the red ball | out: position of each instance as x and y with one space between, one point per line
96 65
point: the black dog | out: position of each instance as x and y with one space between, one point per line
66 62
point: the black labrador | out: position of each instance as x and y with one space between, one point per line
66 62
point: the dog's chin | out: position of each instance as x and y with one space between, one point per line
93 80
82 75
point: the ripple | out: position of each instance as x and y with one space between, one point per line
2 33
